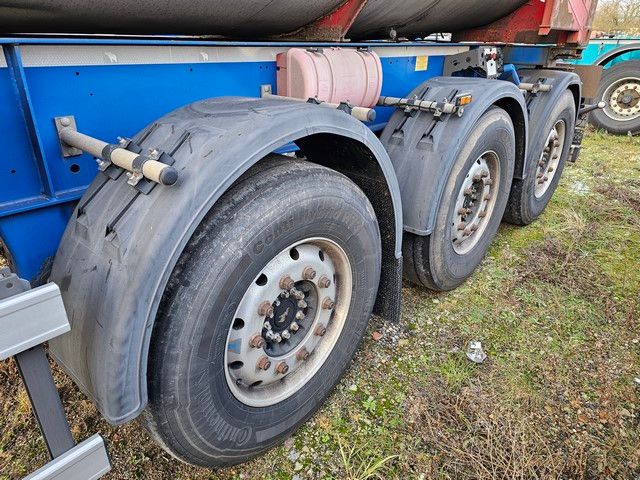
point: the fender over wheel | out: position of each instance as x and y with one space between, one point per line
470 210
548 156
262 313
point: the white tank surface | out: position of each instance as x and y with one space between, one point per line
245 19
416 18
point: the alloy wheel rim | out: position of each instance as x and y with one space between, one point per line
288 322
622 99
550 158
475 202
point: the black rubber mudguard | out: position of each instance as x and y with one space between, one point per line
423 147
121 245
541 104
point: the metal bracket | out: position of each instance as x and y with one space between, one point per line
27 319
265 90
11 284
88 460
138 165
361 113
67 121
535 88
141 184
411 106
489 59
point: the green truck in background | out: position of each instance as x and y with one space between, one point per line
620 84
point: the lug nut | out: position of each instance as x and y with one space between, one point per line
286 335
282 368
462 226
482 214
485 174
308 273
462 211
264 364
294 327
328 304
468 191
487 197
320 330
274 337
265 310
474 227
257 341
324 282
297 294
302 304
477 177
467 232
287 283
303 355
300 315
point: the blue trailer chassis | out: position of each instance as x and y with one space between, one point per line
115 87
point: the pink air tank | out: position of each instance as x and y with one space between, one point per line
331 75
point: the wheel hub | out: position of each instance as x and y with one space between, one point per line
288 322
622 100
475 203
550 158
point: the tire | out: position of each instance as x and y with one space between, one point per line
433 261
624 73
529 198
196 408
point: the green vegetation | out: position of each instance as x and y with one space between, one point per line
557 307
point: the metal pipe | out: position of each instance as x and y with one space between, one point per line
424 105
535 87
138 165
590 108
361 113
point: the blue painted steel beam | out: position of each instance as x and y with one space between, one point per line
39 187
14 62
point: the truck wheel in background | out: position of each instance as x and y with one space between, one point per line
262 313
620 90
548 156
470 210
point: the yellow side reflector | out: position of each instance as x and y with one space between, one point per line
422 63
463 100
